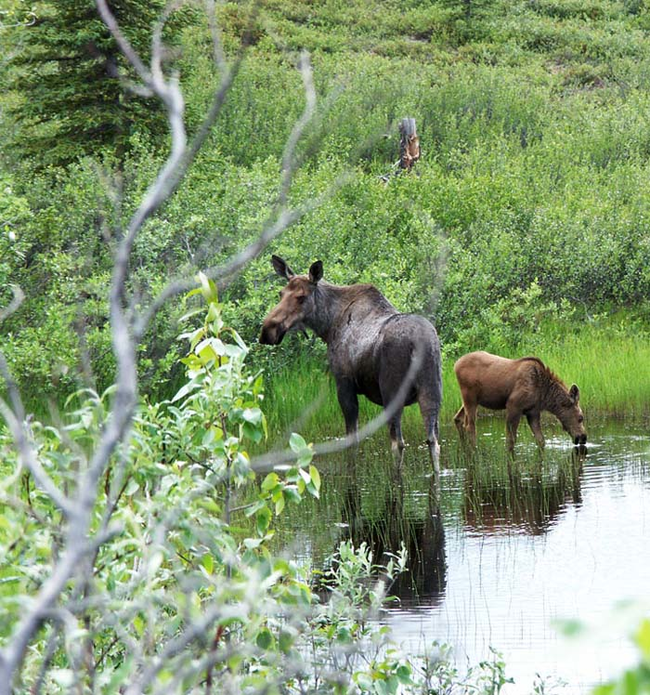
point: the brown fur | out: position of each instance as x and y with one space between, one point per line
520 387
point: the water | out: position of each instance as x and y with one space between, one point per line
500 550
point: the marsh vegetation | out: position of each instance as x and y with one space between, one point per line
160 557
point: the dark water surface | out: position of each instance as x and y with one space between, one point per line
499 550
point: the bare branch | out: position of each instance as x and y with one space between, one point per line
124 44
81 542
217 44
52 645
156 41
288 165
15 303
194 630
246 255
30 461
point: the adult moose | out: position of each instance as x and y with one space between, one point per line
522 387
393 359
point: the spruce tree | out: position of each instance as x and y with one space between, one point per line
69 100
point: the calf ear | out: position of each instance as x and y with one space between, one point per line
316 272
574 394
281 267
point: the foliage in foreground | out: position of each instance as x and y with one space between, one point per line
185 591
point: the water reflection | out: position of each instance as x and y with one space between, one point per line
418 528
499 547
521 498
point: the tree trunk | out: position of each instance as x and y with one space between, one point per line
409 144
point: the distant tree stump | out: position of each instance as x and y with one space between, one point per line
409 144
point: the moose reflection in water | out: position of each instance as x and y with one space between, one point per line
393 359
522 387
416 527
498 501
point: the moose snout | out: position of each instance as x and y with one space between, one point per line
271 334
580 439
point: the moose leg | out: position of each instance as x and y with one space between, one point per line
430 419
536 426
512 423
349 403
390 381
395 431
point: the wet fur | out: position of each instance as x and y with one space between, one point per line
370 346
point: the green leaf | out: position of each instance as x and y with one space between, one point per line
208 288
253 415
209 436
285 642
263 519
264 639
343 635
209 504
131 488
279 506
270 482
404 674
363 680
315 476
297 443
188 388
292 495
255 507
138 624
252 432
305 458
208 562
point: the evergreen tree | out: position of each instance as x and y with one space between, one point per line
69 98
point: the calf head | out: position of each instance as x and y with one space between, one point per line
571 417
296 303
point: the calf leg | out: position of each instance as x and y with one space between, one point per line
459 420
349 403
470 421
536 426
512 423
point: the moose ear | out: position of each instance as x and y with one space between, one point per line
281 267
574 394
315 272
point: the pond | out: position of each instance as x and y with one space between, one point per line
500 549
